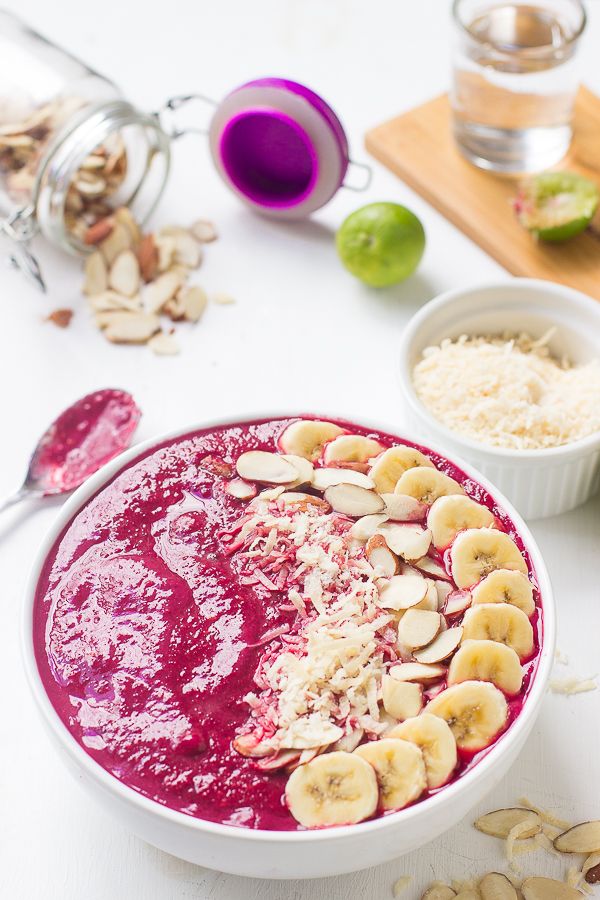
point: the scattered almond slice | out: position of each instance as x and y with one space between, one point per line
442 647
583 838
117 241
501 822
223 299
187 251
352 500
147 255
124 275
110 300
95 274
163 344
495 886
548 889
204 231
439 891
193 301
124 217
401 884
130 327
591 868
161 291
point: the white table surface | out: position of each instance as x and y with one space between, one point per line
303 334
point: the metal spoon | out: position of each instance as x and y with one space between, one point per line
84 437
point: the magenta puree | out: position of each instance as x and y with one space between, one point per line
144 636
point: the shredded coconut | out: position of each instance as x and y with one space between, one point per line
509 391
573 685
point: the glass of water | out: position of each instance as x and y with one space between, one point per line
515 80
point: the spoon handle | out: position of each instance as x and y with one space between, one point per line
14 498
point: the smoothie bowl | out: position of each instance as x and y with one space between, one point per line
288 647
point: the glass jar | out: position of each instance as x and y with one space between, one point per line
72 149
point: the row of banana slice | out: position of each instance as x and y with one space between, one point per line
403 505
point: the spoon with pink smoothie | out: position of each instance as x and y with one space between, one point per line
85 436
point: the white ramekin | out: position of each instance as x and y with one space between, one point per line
539 483
272 854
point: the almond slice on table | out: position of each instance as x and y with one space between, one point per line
223 299
381 557
147 256
203 231
365 527
130 327
187 250
116 242
327 477
501 822
418 628
352 500
442 647
124 217
591 868
159 292
439 892
495 886
583 838
402 508
417 672
548 889
124 275
401 591
409 541
193 301
96 274
110 300
164 344
260 465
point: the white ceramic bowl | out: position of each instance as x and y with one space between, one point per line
539 483
285 854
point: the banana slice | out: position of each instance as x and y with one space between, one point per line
453 513
483 660
304 468
426 484
478 551
400 770
259 465
351 448
401 699
500 622
307 437
434 737
506 586
393 463
333 789
476 711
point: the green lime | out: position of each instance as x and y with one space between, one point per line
381 243
556 206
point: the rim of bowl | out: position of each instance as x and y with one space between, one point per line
129 795
572 298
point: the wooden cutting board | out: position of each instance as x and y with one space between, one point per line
418 146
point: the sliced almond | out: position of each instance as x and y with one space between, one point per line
165 246
583 838
187 251
125 218
353 500
381 557
124 275
299 498
259 465
417 672
164 344
161 291
204 231
501 822
366 527
99 230
457 602
418 628
328 476
240 489
118 240
147 254
194 301
409 541
431 567
439 892
442 647
591 868
402 508
548 889
495 886
304 468
401 591
96 274
223 299
401 699
443 589
110 300
130 327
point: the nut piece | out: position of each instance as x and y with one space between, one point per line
442 647
204 231
147 254
223 299
418 627
548 889
260 465
118 240
99 230
124 275
439 892
583 838
96 274
193 301
591 868
161 291
495 886
352 500
130 328
381 557
501 822
164 344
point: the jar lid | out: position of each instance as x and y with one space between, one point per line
279 146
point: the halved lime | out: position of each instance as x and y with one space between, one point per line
381 244
555 206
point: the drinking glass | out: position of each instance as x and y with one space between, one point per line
515 80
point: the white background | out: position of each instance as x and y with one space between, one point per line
302 335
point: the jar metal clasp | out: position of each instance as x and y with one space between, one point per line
20 228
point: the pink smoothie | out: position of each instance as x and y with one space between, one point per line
147 642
